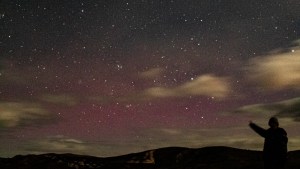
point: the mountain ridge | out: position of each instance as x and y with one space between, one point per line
161 158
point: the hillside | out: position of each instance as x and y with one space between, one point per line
164 158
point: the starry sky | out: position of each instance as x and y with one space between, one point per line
112 77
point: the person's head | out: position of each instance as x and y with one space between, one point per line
273 122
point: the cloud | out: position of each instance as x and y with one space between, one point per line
57 144
13 114
205 85
276 72
287 108
151 73
60 99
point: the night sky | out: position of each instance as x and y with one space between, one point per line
112 77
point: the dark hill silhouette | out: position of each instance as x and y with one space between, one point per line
164 158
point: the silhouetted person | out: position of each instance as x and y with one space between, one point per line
275 146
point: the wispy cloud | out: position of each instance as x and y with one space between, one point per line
13 114
287 108
207 85
204 85
57 144
151 73
277 71
62 99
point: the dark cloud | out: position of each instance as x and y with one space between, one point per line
287 108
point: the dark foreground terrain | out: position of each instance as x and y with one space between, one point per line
164 158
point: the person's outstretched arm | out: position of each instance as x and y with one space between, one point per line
257 129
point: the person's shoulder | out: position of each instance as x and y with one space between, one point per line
281 130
